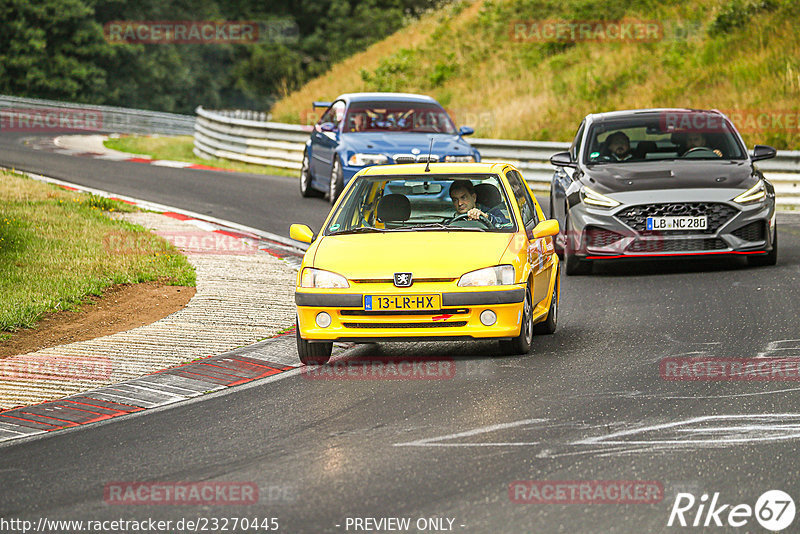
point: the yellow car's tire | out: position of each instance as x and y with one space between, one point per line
548 326
522 343
312 353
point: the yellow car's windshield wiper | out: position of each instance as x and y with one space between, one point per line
359 230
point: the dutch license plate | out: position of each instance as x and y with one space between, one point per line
401 302
677 223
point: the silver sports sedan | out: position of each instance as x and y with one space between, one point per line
661 183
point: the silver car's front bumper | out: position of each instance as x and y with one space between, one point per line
596 233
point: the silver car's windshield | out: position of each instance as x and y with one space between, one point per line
667 135
440 202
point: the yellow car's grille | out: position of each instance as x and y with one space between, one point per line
443 324
390 281
451 311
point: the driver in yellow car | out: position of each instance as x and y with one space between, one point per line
464 198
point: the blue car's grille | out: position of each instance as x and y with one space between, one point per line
414 158
717 213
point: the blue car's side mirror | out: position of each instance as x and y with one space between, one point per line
466 130
327 127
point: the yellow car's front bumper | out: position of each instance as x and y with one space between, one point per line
458 317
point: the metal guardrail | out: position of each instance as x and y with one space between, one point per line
37 115
223 135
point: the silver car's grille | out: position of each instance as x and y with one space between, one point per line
600 237
414 158
657 246
717 213
755 231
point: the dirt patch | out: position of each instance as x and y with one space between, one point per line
121 308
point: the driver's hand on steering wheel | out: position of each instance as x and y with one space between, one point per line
476 214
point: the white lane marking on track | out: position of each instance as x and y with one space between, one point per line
785 431
433 442
777 348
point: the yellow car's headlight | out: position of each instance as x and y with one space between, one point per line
501 275
592 197
322 279
754 194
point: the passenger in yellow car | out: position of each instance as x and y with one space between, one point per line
465 201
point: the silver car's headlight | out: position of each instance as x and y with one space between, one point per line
501 275
322 279
593 198
754 194
362 160
460 159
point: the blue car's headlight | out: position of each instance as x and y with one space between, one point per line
362 160
460 159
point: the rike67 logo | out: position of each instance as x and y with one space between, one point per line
774 510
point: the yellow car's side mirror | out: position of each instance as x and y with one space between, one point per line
546 228
301 232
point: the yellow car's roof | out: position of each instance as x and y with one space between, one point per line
436 168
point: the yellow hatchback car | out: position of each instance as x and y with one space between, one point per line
447 251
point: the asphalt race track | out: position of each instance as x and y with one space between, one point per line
589 403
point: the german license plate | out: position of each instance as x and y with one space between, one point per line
677 223
401 302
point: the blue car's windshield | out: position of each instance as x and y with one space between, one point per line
397 117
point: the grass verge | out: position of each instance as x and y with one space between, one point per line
58 247
179 148
739 56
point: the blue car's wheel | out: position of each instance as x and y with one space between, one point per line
306 189
337 181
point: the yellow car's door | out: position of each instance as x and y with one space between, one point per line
539 251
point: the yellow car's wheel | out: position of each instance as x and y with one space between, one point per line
522 343
312 353
548 326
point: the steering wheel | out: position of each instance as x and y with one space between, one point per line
697 149
465 216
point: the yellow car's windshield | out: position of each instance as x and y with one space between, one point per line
446 202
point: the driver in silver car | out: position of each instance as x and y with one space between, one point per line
696 140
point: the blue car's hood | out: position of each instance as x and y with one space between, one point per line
403 143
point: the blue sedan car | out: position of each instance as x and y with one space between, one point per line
361 129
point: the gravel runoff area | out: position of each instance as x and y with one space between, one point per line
243 295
